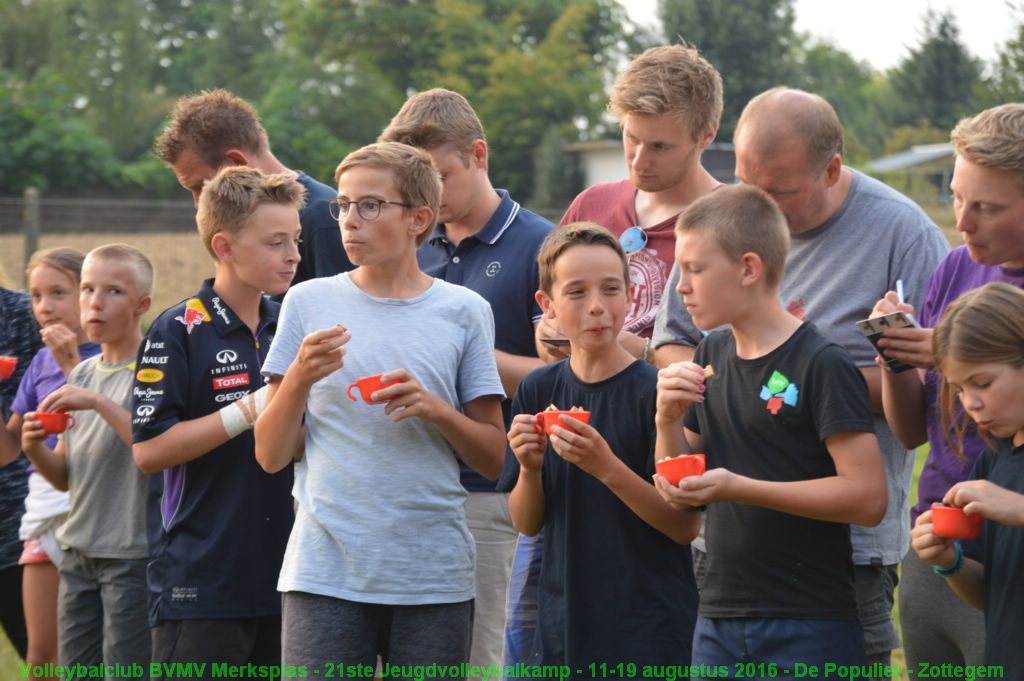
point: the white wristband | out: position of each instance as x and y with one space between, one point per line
241 415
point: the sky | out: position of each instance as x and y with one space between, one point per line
881 32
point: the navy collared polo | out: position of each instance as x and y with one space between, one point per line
500 263
218 525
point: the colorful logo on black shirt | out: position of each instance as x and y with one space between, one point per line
778 392
195 314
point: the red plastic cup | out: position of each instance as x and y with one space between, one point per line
8 364
55 422
951 522
680 467
546 419
367 385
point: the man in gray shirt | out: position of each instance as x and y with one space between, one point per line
852 239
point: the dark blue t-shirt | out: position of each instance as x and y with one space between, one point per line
500 263
218 525
1001 550
612 588
321 249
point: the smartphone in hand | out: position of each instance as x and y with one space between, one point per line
874 327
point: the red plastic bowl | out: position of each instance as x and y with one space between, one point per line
679 467
951 522
546 419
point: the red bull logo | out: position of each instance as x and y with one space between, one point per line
195 314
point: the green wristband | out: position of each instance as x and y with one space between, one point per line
958 562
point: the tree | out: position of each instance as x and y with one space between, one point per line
1006 84
45 141
936 82
750 42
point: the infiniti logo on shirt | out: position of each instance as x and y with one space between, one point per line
227 356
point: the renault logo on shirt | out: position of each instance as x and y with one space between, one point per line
227 356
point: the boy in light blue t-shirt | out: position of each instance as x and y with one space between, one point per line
380 561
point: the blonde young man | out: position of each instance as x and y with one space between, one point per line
216 129
488 243
852 239
668 102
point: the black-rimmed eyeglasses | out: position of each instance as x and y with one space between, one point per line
368 209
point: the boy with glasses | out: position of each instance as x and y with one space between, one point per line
380 561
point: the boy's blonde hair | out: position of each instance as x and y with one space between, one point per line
433 119
673 80
65 259
233 195
209 124
741 219
983 326
993 139
412 171
126 254
808 117
558 241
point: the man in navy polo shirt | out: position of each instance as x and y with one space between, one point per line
217 523
209 131
488 243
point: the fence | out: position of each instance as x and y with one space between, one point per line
63 215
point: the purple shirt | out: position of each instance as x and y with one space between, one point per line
42 377
955 275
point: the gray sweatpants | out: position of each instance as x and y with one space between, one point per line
937 626
320 631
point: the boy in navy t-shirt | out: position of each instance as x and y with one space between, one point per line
616 584
792 457
218 524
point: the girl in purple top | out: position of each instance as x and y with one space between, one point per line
988 198
53 277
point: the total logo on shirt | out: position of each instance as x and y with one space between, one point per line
232 381
778 392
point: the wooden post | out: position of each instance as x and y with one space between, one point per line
31 222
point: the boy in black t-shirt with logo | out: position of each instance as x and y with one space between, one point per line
791 453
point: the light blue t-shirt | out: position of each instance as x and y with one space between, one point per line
380 507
